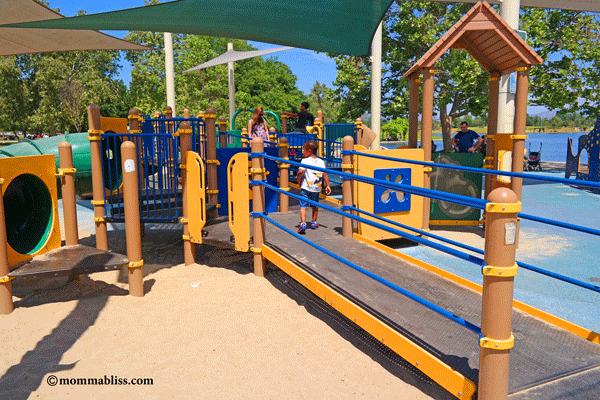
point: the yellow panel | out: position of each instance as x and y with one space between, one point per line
44 168
238 201
196 196
364 192
430 365
502 144
114 125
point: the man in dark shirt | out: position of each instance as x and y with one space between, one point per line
463 140
303 116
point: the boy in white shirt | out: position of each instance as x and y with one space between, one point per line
310 184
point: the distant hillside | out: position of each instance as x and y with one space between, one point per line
546 114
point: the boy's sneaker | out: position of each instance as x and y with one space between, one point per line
302 228
314 225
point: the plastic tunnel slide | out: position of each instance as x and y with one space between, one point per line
31 189
81 155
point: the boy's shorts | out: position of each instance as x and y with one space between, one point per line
314 196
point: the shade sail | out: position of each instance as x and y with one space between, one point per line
340 26
232 55
21 41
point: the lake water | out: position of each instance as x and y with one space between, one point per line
554 145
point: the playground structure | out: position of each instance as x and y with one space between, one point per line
589 143
175 164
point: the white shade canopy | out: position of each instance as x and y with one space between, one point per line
232 55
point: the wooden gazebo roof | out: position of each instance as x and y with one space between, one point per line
487 38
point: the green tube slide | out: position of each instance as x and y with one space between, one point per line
81 155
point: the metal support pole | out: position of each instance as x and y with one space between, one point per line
258 206
347 167
222 132
169 71
501 233
131 204
211 161
426 134
6 303
67 179
376 87
185 145
97 184
284 176
231 83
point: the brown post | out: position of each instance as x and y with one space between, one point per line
211 160
186 113
359 131
284 119
258 206
426 131
67 174
320 116
185 145
245 137
519 128
134 127
131 203
273 134
169 115
222 132
492 130
320 135
201 136
413 111
347 145
6 303
284 200
97 184
501 233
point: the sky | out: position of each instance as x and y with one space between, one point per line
308 66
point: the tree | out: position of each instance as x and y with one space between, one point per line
323 98
567 80
396 128
258 82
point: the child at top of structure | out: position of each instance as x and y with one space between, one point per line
310 181
257 126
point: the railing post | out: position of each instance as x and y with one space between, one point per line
6 302
131 204
97 184
222 132
245 137
67 179
319 125
211 160
359 131
273 134
284 123
201 136
258 205
320 116
347 201
169 125
185 145
501 233
284 175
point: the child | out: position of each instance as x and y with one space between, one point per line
310 184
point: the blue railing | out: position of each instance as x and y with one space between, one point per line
158 176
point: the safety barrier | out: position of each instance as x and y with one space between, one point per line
502 209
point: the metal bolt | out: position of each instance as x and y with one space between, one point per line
460 393
383 339
496 345
417 363
499 272
503 208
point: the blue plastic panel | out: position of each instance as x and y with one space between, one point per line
387 200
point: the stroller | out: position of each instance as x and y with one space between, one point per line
533 161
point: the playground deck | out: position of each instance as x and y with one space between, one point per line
546 361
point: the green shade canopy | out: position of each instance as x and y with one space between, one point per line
337 26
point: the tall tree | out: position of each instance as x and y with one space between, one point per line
567 80
323 98
258 82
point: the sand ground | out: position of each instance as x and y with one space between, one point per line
205 331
